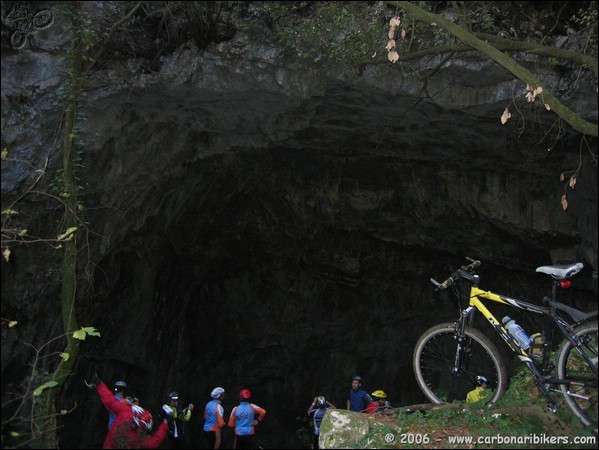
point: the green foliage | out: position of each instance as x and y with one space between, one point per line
84 332
304 431
32 397
310 31
46 385
511 417
586 19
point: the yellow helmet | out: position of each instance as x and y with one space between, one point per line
379 394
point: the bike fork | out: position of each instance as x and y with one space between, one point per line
460 336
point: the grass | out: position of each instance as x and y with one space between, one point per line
518 420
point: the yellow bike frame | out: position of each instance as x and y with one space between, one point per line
476 294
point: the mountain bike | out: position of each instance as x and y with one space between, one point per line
449 356
24 23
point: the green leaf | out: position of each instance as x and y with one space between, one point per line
91 331
67 234
84 332
47 385
65 356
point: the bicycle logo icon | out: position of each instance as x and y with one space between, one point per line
25 23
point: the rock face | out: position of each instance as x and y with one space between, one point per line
255 225
345 429
340 428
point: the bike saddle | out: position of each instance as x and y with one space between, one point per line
561 272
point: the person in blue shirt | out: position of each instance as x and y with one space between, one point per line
316 411
214 418
358 398
119 394
243 419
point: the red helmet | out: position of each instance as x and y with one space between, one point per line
245 394
142 418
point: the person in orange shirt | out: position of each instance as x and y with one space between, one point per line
243 419
213 418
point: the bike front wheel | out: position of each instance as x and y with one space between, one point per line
434 364
581 393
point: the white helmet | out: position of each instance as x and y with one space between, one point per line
217 392
481 379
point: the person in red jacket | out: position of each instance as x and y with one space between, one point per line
133 424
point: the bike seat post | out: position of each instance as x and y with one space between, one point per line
554 290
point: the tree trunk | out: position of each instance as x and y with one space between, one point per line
44 410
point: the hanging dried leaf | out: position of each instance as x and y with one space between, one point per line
394 22
403 33
564 202
562 176
505 116
393 56
530 97
537 91
547 107
6 254
391 33
390 44
572 182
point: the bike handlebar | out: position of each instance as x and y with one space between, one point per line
456 275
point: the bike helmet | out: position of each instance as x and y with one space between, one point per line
217 392
358 378
379 394
321 401
120 385
142 418
480 380
245 394
174 395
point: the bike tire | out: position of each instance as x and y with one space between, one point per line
434 356
43 19
570 364
18 40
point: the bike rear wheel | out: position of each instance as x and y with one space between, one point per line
434 357
572 366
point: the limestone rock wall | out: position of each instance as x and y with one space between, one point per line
256 225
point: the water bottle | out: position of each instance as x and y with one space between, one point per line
517 332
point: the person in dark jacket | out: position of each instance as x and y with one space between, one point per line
176 431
